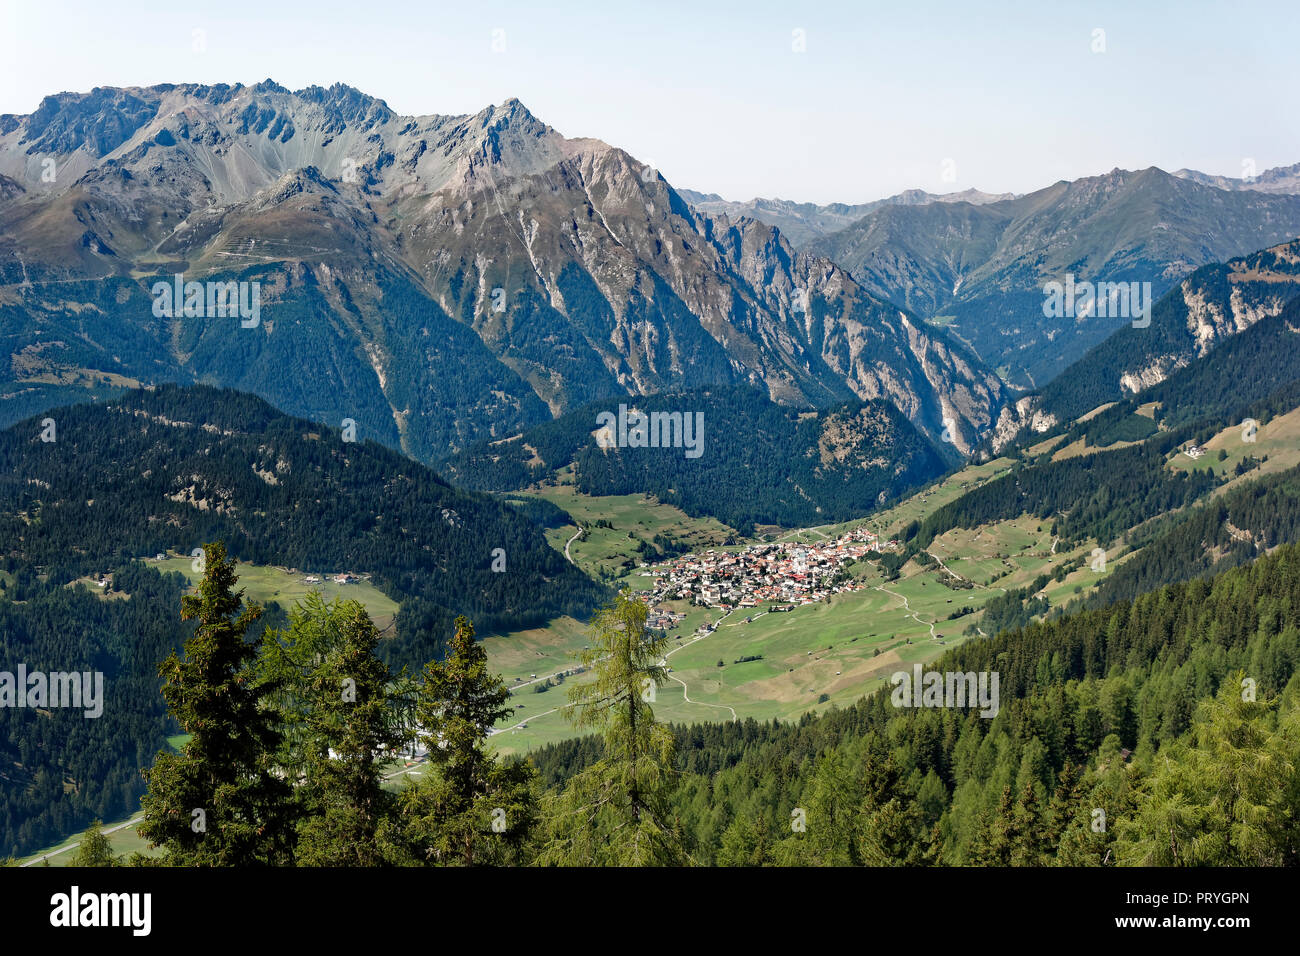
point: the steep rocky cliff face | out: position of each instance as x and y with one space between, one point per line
438 279
1214 303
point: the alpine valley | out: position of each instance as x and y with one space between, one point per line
501 427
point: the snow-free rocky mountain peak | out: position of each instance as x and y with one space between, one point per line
438 279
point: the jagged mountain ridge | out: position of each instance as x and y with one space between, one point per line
1279 179
577 271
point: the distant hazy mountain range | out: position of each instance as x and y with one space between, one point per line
437 279
801 222
1281 179
976 262
980 270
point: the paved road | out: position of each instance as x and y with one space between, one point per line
525 720
566 547
413 770
816 531
73 846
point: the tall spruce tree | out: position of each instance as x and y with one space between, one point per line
617 811
469 808
1033 845
995 834
1072 824
219 802
339 725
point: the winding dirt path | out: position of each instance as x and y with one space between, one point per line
566 547
908 607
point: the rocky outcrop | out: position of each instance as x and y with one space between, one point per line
1214 303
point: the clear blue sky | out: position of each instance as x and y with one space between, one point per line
715 95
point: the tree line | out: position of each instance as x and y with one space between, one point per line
291 731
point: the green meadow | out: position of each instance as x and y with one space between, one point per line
265 584
808 659
612 552
814 657
124 841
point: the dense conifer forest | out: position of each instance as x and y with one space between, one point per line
759 462
168 470
173 468
1163 730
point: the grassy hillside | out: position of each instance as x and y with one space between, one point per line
268 584
991 546
1137 709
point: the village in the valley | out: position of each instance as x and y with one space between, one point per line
774 576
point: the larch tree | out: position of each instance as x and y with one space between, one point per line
95 848
1228 797
617 811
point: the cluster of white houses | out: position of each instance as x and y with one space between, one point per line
778 575
347 577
